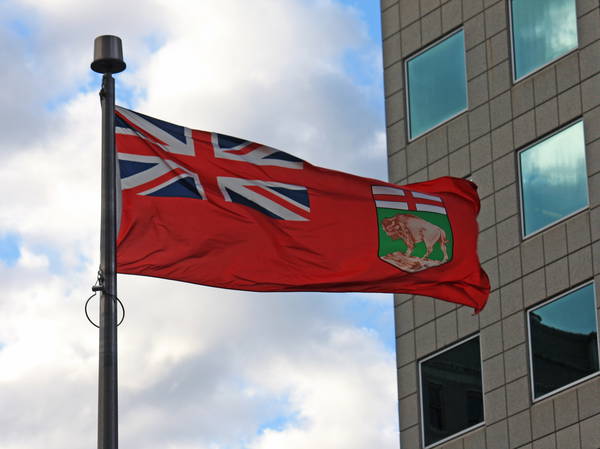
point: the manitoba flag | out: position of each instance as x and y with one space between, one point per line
212 209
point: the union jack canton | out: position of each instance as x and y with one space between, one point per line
167 165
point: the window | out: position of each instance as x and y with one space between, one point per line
437 84
435 409
563 336
553 179
542 31
451 392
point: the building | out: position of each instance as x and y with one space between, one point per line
505 93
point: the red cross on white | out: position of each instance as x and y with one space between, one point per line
403 199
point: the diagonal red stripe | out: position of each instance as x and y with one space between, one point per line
266 193
244 150
157 181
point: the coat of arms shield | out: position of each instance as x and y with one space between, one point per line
414 230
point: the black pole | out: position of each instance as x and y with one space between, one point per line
108 59
107 379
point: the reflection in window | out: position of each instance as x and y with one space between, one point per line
542 31
564 340
553 179
437 84
451 391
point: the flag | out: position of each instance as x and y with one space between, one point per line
215 210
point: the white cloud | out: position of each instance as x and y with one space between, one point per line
327 400
199 367
269 72
54 185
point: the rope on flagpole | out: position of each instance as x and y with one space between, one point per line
98 287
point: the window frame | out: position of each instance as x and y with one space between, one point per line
448 35
520 178
516 80
420 386
530 349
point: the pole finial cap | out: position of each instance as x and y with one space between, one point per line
108 55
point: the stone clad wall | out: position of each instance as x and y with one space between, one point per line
482 143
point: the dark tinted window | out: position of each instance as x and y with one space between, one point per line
564 340
451 391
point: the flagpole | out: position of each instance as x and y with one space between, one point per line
108 59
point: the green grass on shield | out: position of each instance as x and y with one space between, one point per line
387 245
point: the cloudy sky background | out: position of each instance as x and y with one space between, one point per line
200 368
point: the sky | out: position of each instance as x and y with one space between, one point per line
199 367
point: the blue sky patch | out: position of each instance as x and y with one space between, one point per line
356 64
20 28
374 315
54 255
369 13
55 103
154 42
9 248
278 423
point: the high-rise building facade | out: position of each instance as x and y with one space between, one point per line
505 93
